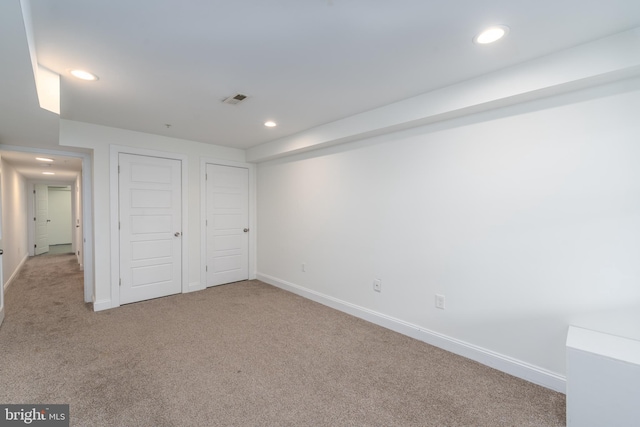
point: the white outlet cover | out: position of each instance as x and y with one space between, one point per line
440 301
377 285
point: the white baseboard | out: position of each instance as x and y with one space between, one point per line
495 360
100 305
15 272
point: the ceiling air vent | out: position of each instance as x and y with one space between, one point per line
235 99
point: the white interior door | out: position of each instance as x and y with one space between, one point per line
150 214
60 213
41 192
78 239
227 223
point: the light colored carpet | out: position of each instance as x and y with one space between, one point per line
245 354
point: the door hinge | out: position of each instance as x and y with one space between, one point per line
118 225
35 246
34 218
206 268
120 282
206 178
118 168
206 222
34 191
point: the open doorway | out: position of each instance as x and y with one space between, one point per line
65 177
54 219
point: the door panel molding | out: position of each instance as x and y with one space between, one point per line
115 151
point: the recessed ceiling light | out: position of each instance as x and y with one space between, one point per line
48 173
491 34
44 159
84 75
270 124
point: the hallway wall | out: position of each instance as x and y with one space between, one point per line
14 220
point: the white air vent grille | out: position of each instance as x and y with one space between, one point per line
235 99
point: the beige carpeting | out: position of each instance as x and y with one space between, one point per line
245 354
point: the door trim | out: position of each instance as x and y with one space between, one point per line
203 216
114 152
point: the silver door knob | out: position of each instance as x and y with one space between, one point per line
177 234
246 230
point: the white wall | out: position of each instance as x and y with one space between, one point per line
14 221
526 218
99 139
60 232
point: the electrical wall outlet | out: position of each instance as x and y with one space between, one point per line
440 301
377 285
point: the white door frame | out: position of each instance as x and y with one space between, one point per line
203 215
115 151
87 209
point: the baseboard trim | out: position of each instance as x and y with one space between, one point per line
489 358
101 305
15 272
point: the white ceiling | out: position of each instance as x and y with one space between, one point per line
66 169
303 63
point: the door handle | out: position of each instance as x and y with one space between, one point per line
177 234
246 230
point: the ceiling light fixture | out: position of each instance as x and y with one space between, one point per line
270 124
48 173
491 34
44 159
84 75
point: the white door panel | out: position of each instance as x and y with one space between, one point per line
42 218
151 250
227 210
150 227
